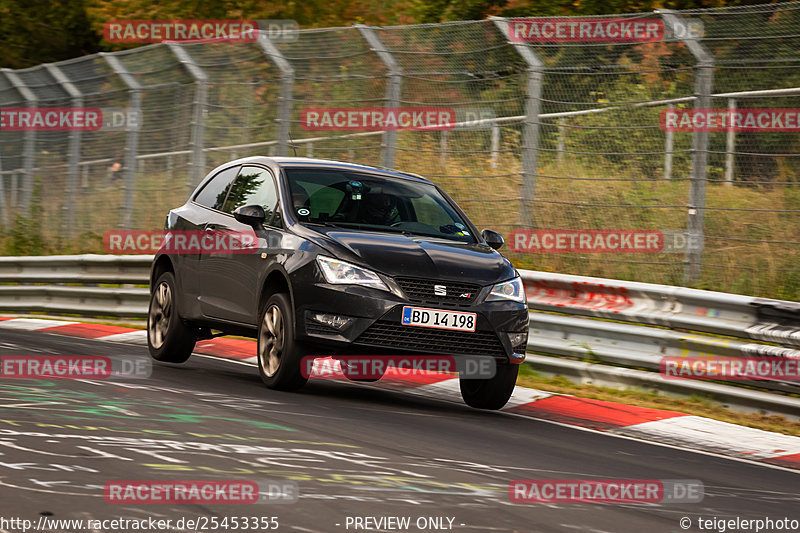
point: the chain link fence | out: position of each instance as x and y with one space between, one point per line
552 135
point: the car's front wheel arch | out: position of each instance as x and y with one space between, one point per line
276 282
162 264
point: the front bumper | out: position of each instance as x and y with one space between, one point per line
350 319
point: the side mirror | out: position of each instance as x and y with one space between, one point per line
492 238
252 215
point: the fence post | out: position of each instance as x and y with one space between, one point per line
131 135
561 132
495 145
198 160
530 136
668 149
730 144
285 94
14 193
703 86
74 149
30 140
4 208
443 147
393 88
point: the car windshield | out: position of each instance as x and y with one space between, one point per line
362 201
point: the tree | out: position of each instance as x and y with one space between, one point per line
42 31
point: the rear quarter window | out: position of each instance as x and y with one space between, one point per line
214 192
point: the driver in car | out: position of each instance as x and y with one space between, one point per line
380 209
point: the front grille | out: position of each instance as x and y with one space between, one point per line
423 291
388 334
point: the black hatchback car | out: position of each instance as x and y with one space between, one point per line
344 255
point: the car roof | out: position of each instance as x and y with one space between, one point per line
305 162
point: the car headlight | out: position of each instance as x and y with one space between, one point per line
512 289
342 272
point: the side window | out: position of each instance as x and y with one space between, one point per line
213 194
253 186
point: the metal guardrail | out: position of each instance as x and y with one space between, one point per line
84 301
623 306
746 317
88 268
58 285
608 326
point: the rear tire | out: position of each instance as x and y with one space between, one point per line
279 354
490 393
168 338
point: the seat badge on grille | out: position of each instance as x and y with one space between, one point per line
440 290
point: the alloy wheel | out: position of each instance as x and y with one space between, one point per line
272 340
160 314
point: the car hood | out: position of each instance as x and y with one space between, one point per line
418 256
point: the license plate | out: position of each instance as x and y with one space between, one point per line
437 318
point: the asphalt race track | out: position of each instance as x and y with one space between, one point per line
353 450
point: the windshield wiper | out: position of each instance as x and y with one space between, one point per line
320 223
443 237
358 225
385 229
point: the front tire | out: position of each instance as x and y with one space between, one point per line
490 393
279 354
168 338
